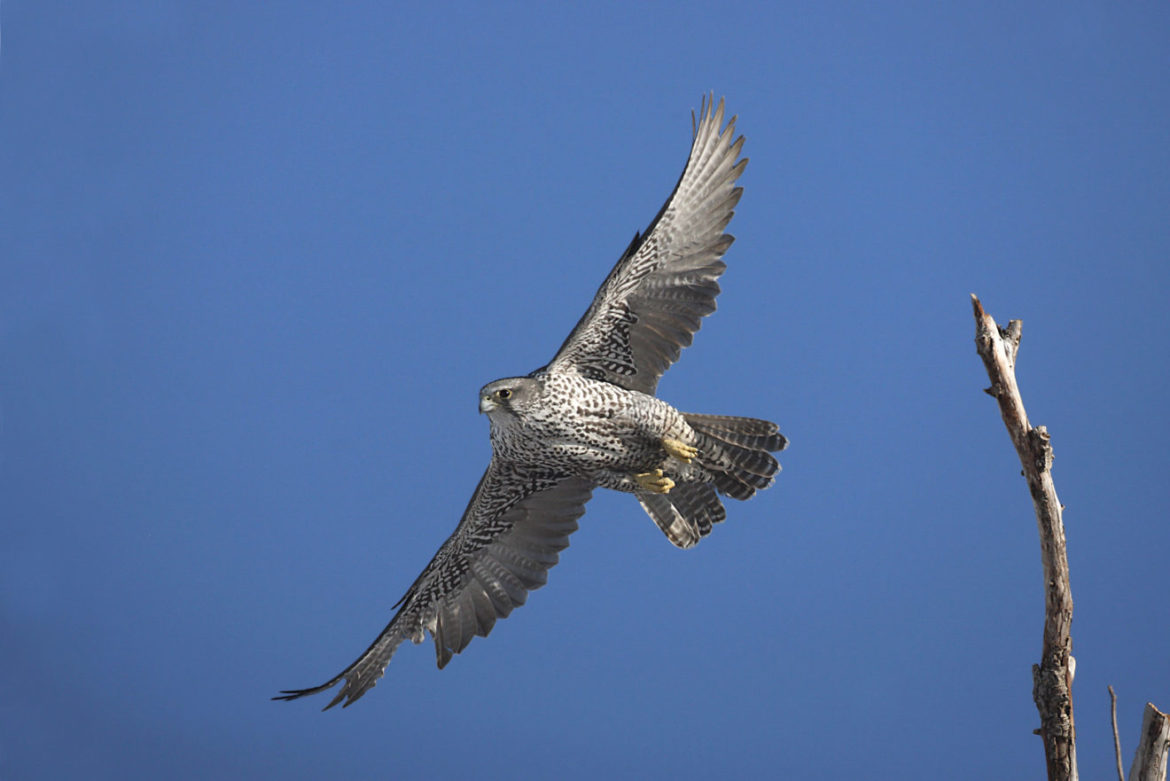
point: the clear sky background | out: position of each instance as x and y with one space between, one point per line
257 259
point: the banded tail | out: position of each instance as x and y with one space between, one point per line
735 459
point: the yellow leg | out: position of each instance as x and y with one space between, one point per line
680 450
655 482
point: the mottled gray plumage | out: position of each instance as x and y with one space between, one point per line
590 419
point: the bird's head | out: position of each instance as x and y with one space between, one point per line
508 396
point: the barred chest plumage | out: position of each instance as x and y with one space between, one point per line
587 424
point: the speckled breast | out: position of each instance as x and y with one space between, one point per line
589 425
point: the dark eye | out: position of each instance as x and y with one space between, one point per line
504 394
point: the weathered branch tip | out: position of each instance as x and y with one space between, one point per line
1116 736
1053 677
1149 762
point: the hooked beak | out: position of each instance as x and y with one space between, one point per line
486 404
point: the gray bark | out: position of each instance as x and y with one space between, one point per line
1052 678
1149 762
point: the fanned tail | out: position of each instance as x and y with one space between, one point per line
737 452
735 459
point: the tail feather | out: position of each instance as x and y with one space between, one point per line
686 514
682 532
733 485
699 503
737 452
735 459
746 432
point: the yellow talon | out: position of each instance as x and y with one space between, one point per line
680 450
654 482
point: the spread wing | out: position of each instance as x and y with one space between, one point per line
517 522
654 299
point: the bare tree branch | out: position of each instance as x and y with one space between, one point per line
1052 678
1149 762
1116 736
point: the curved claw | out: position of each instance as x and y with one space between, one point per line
654 482
679 449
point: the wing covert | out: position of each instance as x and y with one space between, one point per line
517 522
665 283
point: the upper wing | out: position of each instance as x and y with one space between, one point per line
517 522
652 302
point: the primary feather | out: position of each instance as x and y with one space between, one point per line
590 419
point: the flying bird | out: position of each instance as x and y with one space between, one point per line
589 419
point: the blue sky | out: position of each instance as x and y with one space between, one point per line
257 259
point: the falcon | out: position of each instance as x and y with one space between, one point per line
590 419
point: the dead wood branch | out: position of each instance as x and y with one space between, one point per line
1052 678
1149 762
1116 736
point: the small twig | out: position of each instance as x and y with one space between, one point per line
1116 736
1149 762
1052 678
